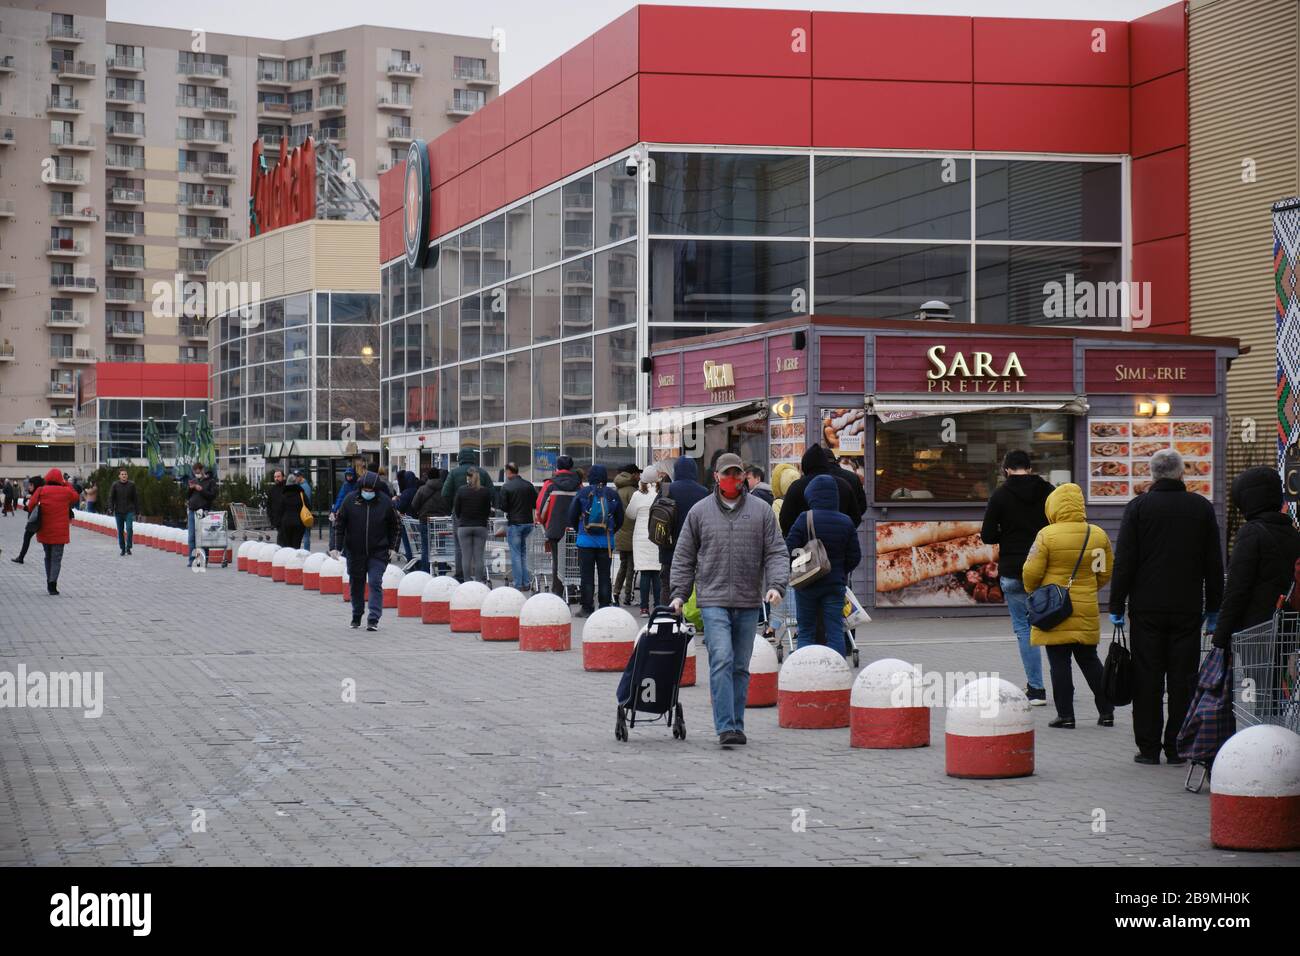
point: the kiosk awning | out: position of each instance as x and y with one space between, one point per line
317 448
677 418
888 410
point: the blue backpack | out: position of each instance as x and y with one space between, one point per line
595 518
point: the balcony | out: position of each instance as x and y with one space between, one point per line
203 135
271 140
122 159
7 210
63 34
218 170
123 294
394 104
329 70
462 107
7 64
123 228
196 266
64 319
7 353
65 248
75 70
332 103
123 196
215 234
399 134
209 199
125 64
274 110
71 143
63 104
7 137
123 326
125 95
272 78
62 392
475 77
194 358
69 212
7 280
126 263
119 356
125 130
63 176
403 69
72 354
81 285
194 330
338 135
199 70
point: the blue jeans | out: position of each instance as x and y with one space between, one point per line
649 586
406 541
517 538
821 604
729 637
192 539
306 539
125 529
358 573
1013 589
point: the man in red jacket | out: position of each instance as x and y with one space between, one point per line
56 499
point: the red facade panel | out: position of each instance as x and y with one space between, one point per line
446 202
666 381
444 159
468 197
787 368
518 169
892 115
1051 119
391 243
1074 52
577 75
1158 43
842 363
492 127
616 51
492 183
883 46
736 110
470 150
616 124
150 380
548 155
519 110
1160 195
1160 114
1163 264
548 94
578 135
744 379
1126 371
910 365
725 41
391 185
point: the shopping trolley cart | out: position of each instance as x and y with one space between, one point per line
419 545
1264 673
539 562
250 524
779 626
210 531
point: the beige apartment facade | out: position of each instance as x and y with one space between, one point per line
125 164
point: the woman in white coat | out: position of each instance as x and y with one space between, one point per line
645 553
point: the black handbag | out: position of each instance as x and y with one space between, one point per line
1048 606
1117 677
34 519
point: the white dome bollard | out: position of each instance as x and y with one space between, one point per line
241 555
264 557
989 731
499 616
1255 790
311 570
294 565
763 668
409 593
885 707
545 624
812 689
392 579
331 576
280 561
466 607
435 599
608 637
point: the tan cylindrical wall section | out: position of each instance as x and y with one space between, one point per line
1244 90
341 256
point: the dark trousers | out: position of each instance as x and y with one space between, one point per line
594 563
625 575
1058 659
290 536
557 556
28 533
650 587
666 573
125 529
53 561
1166 653
361 573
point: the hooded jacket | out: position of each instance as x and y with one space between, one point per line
763 491
1264 553
200 498
56 498
428 501
831 527
553 502
686 490
581 507
795 503
347 489
625 486
367 529
1013 518
854 482
729 556
409 484
1051 560
468 458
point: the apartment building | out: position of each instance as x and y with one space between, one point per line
125 155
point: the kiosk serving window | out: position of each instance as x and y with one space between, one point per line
958 457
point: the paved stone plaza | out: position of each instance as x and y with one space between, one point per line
224 693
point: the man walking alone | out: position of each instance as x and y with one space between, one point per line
367 528
124 502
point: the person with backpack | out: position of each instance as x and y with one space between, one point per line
55 499
596 514
819 605
625 484
684 492
553 503
1169 577
645 552
1074 555
471 510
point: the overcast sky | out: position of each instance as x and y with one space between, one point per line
537 31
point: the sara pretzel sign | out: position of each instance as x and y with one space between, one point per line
415 204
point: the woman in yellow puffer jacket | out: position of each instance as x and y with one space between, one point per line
1051 561
783 476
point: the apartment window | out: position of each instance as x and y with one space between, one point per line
335 62
299 69
129 156
400 93
123 352
298 134
400 56
193 353
300 102
264 97
467 101
125 55
333 95
120 88
470 68
270 70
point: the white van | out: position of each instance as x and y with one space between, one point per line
45 426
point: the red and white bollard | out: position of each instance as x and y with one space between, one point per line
608 637
410 592
331 576
763 668
499 616
1255 790
293 567
812 689
279 562
466 607
885 707
241 556
545 624
989 731
265 555
311 570
392 580
435 599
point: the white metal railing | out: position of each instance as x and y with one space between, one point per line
63 33
127 262
125 63
201 68
66 245
124 94
70 139
53 102
126 129
399 132
75 282
65 353
125 326
471 75
65 318
121 194
205 198
66 174
126 160
123 293
330 68
203 134
75 68
120 228
405 68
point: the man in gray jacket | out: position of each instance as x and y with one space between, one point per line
730 546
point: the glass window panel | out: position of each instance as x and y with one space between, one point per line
1010 282
354 308
471 326
256 348
616 370
449 267
429 352
547 232
519 313
429 383
323 308
546 382
579 283
578 209
414 386
577 441
297 375
274 346
1027 201
494 390
613 445
274 376
399 287
361 407
273 315
414 281
429 278
492 452
354 341
493 316
875 280
519 394
322 340
471 275
353 373
396 403
494 251
886 197
615 204
615 300
296 406
708 194
130 408
386 292
471 394
396 353
450 323
519 449
546 305
546 448
297 342
322 403
575 383
448 400
257 380
275 408
322 374
519 239
673 333
297 310
413 325
702 282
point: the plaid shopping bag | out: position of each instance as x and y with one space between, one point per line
1209 721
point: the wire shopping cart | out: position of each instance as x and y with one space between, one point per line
210 531
250 524
1264 673
570 568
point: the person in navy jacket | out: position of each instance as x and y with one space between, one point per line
595 545
822 602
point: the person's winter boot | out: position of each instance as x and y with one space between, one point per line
52 587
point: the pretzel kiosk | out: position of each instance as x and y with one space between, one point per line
923 412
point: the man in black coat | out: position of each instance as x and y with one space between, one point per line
367 526
1169 573
518 501
818 460
123 503
1014 515
854 481
201 496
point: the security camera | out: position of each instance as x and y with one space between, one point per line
633 162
